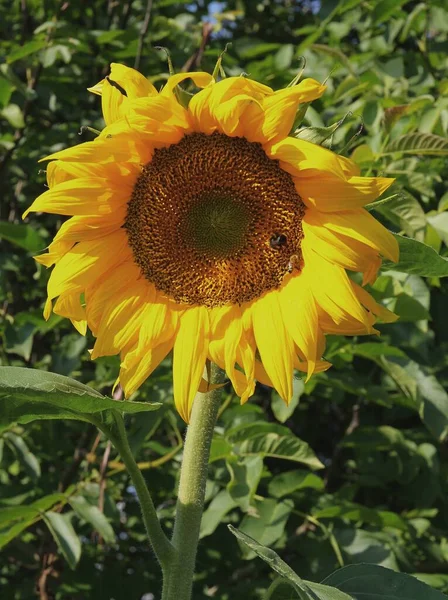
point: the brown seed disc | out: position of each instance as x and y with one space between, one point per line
212 220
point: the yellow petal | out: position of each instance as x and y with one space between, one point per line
330 194
59 171
300 316
331 288
79 229
159 323
125 147
133 377
230 115
199 108
88 261
340 249
360 225
83 196
117 89
275 120
121 316
151 115
319 367
304 159
274 342
200 79
347 325
69 306
220 106
190 353
108 286
378 310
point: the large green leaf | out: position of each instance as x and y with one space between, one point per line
28 395
286 447
305 590
65 536
92 514
288 482
267 522
424 391
272 440
418 143
23 236
371 582
418 259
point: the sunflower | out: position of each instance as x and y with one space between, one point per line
203 228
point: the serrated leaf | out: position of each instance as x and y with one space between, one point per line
92 514
286 447
65 536
418 143
417 258
404 211
371 582
28 395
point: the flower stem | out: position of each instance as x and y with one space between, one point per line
163 549
190 503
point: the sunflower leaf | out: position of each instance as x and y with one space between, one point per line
305 590
29 394
418 143
317 135
65 536
417 258
373 582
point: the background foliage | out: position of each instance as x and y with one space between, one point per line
356 469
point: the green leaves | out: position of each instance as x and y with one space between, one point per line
92 514
304 590
418 143
372 582
28 395
418 259
23 236
274 441
65 536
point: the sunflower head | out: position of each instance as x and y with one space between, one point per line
210 231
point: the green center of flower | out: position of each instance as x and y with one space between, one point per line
217 224
213 220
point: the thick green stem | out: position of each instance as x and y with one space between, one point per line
163 549
190 503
